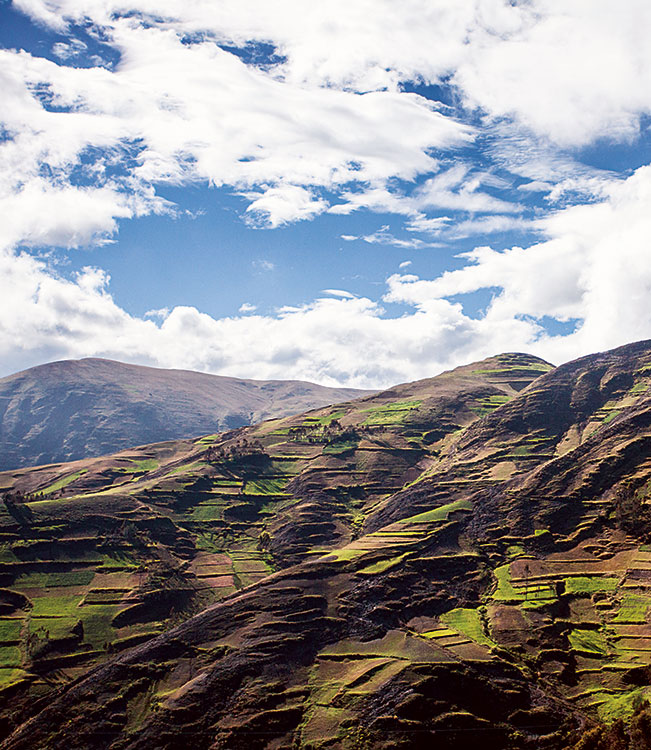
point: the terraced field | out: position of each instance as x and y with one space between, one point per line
456 561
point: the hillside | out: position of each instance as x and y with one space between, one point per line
455 561
74 409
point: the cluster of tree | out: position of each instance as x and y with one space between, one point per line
16 497
632 509
16 505
236 451
264 541
631 734
318 433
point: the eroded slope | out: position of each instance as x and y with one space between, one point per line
485 577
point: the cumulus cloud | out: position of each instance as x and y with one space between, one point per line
594 266
330 125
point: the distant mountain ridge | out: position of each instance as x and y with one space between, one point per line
72 409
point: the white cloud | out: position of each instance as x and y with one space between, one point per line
488 225
429 225
247 307
384 237
339 293
404 264
457 189
67 50
594 266
262 264
160 313
330 128
571 73
282 204
194 112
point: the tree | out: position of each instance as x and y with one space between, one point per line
632 512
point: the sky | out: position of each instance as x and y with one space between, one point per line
351 192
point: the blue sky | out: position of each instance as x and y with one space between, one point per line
353 194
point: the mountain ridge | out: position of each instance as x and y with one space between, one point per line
458 560
70 409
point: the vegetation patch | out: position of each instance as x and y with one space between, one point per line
55 606
10 629
469 623
590 584
387 414
438 514
619 705
336 447
146 464
63 482
382 566
528 592
53 627
96 619
345 554
633 609
590 642
266 486
11 676
10 656
55 579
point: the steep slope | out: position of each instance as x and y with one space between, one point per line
73 409
102 553
484 578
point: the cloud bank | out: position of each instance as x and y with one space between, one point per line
304 110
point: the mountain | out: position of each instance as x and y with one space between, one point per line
73 409
456 561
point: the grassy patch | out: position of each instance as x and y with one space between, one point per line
590 584
590 642
63 482
10 630
56 627
146 464
326 419
390 413
440 633
621 705
438 514
506 592
345 554
270 486
206 439
97 624
207 513
117 561
382 566
468 622
60 606
55 579
10 676
10 656
633 609
340 446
